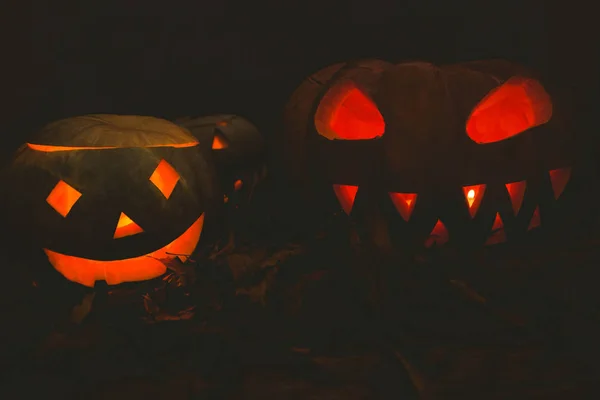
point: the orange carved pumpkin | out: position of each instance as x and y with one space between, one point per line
107 197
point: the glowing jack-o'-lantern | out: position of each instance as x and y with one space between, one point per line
238 150
107 197
471 152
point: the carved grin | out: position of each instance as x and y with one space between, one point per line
405 203
148 266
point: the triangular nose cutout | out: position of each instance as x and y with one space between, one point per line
126 227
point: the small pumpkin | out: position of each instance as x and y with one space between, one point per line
475 153
238 151
107 196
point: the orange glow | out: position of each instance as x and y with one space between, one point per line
87 272
237 185
165 178
222 123
535 219
219 143
516 191
346 195
63 197
439 235
559 179
126 227
498 235
519 104
404 203
347 113
474 195
51 149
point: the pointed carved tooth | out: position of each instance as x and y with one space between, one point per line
346 195
473 196
404 203
439 235
535 219
559 179
498 235
516 191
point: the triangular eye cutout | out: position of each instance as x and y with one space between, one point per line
438 236
219 142
346 195
126 227
346 113
516 106
516 191
404 203
559 179
473 196
498 235
535 219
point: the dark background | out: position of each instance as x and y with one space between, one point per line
170 59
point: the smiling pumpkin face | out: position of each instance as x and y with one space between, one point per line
107 197
472 153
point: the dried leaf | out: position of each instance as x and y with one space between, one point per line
258 293
418 379
239 264
150 306
183 315
282 255
182 272
301 350
469 292
80 311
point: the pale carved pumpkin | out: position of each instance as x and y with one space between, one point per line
107 197
473 153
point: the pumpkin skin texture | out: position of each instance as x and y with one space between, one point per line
105 196
238 151
418 154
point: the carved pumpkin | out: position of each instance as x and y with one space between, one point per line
473 153
107 196
238 150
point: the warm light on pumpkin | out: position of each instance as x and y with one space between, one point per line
87 272
498 234
517 105
559 179
474 195
347 113
63 197
165 178
404 203
438 236
126 227
50 149
219 143
535 219
516 191
237 185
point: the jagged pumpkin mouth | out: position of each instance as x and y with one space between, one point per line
473 194
144 267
